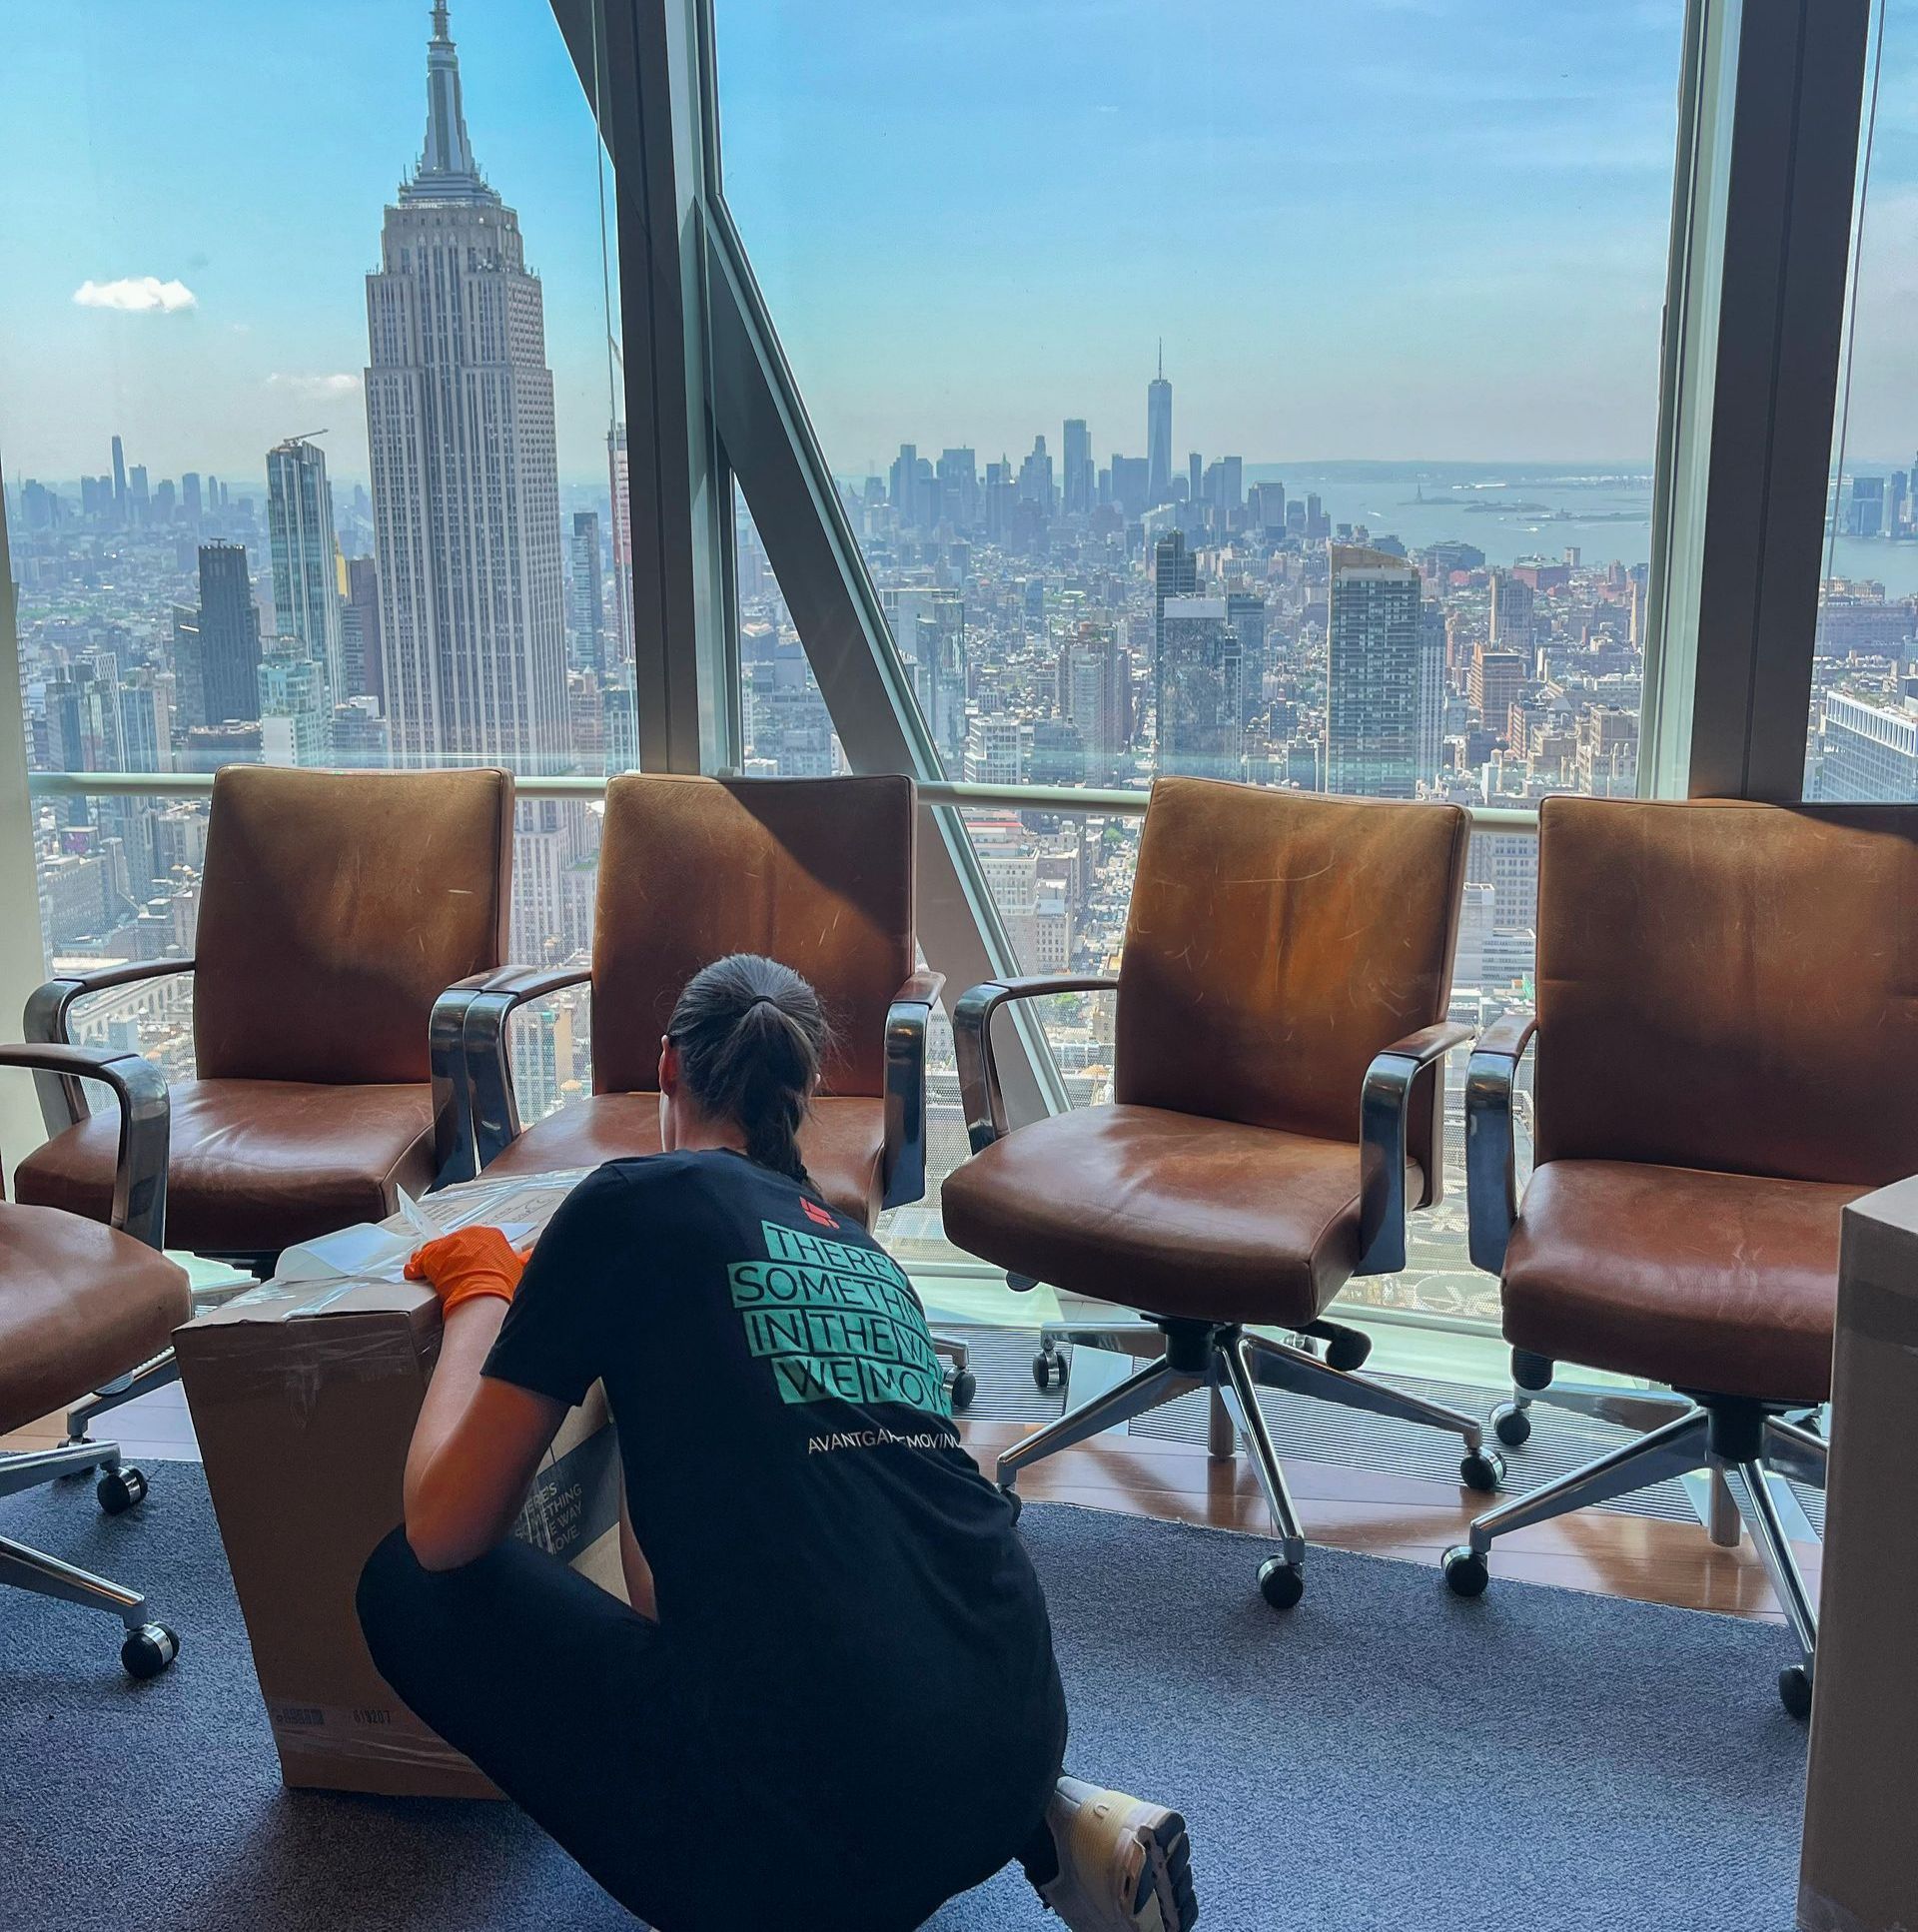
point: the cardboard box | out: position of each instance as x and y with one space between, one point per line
1859 1869
304 1394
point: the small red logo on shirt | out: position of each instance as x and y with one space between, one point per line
817 1213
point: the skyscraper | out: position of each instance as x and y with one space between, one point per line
359 631
1080 478
939 671
1198 678
466 493
1094 693
228 636
1246 613
1512 612
1159 435
1372 678
621 547
1431 691
585 600
1496 680
305 572
1175 573
296 712
119 480
958 480
1035 479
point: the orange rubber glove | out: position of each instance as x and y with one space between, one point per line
468 1262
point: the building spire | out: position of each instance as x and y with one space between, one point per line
446 169
1161 339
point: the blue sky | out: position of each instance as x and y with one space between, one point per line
1376 229
247 151
1381 228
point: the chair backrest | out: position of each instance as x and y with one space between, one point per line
814 872
335 908
1278 940
1730 986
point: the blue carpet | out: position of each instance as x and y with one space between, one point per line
1383 1757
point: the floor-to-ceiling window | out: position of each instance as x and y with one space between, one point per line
1258 394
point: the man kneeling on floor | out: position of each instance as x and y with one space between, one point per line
833 1704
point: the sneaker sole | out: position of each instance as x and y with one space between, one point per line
1167 1873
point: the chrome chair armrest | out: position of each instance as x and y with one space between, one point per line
1492 1176
47 1023
906 1022
972 1044
493 1106
1384 1105
452 1158
140 1165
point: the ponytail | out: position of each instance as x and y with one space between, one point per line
751 1036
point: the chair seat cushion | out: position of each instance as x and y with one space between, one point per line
843 1144
1168 1213
256 1164
1721 1283
80 1303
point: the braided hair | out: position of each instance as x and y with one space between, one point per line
751 1035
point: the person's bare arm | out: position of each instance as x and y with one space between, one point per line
474 1447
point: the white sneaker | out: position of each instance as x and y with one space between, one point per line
1123 1865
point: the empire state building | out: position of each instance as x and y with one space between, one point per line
465 491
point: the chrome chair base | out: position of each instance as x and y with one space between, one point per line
149 1647
1233 1364
151 1375
1723 1436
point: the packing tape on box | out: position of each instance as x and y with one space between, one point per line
323 1356
386 1733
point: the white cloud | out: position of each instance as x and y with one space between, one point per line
316 388
137 295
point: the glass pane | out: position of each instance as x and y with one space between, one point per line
1122 376
785 728
313 452
1310 449
1862 744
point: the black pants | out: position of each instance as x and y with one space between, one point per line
588 1743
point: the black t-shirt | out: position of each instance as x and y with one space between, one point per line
838 1580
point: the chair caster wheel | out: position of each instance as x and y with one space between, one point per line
119 1490
1467 1572
1512 1425
1049 1370
1348 1351
1482 1469
147 1650
1281 1583
1794 1690
1014 1500
963 1385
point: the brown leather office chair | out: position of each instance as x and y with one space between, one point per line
815 873
1728 1054
81 1305
335 908
1280 1029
